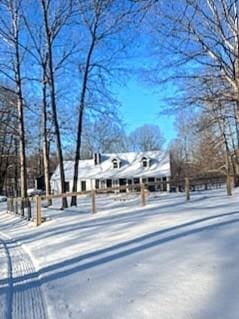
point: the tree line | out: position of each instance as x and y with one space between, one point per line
61 59
196 48
51 48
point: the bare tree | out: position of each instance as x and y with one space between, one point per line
45 132
40 57
199 42
104 135
10 32
146 138
8 139
102 21
202 40
52 27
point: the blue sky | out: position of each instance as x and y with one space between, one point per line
141 106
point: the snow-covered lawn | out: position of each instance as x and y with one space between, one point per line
170 259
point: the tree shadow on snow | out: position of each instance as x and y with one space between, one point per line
125 249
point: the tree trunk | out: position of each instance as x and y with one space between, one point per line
20 109
16 170
80 119
77 157
53 101
45 142
58 138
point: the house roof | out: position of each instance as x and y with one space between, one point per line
131 166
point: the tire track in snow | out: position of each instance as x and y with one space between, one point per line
20 291
6 287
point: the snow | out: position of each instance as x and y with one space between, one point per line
170 259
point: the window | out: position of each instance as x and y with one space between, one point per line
129 181
137 182
97 184
103 184
109 183
116 163
151 187
122 182
164 184
145 162
83 186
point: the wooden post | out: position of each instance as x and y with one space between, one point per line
229 185
29 209
11 204
93 198
38 210
22 207
142 195
15 205
187 188
8 205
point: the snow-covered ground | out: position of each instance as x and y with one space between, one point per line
170 259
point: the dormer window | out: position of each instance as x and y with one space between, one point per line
145 162
116 163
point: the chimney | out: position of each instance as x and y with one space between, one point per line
97 158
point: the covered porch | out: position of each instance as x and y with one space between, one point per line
133 183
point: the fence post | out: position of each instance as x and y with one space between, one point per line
38 210
93 198
11 204
187 188
15 205
229 185
29 209
142 194
22 207
8 205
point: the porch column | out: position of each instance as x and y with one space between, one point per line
168 185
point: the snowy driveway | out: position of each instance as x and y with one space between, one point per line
19 297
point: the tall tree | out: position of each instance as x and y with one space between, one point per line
10 32
202 40
52 27
104 135
146 138
8 139
103 21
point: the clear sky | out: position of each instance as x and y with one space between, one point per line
140 106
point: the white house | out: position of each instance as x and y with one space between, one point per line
121 169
